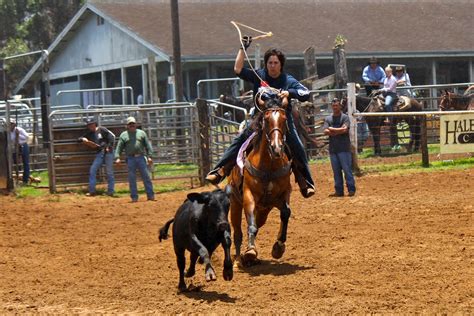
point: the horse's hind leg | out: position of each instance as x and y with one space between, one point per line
279 246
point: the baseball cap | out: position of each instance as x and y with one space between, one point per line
131 120
90 121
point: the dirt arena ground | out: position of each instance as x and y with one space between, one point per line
404 244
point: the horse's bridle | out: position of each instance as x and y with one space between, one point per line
275 129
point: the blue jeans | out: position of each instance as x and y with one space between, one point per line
342 162
100 158
25 157
293 141
389 98
134 163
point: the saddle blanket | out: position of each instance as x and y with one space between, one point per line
241 154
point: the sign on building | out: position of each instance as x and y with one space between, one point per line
457 133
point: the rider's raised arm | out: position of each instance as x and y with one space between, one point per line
239 61
297 90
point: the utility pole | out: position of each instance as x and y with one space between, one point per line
178 78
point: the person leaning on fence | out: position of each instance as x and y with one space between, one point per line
274 76
336 126
102 140
19 139
403 80
373 76
138 154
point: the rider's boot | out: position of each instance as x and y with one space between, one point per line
216 175
307 189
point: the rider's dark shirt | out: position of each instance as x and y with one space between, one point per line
338 143
284 81
102 137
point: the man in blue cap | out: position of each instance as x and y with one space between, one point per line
102 141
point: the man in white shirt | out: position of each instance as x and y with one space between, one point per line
19 139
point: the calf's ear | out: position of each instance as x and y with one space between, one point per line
198 197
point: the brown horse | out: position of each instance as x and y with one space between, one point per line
452 101
265 183
375 123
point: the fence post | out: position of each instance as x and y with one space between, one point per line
204 144
425 158
351 106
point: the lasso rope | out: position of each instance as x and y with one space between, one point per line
263 83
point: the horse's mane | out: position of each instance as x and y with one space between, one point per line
257 126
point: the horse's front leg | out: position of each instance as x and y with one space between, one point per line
236 220
251 253
279 247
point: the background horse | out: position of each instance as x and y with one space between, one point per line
375 123
265 183
457 102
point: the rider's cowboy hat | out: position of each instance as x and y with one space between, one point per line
373 60
399 68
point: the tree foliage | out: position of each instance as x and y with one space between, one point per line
31 25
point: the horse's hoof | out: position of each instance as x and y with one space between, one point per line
250 256
278 250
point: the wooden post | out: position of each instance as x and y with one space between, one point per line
351 106
178 79
340 68
310 66
258 56
204 143
425 158
154 98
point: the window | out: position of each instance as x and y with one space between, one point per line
100 20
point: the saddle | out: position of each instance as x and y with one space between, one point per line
402 103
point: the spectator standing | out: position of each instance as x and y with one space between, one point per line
336 126
19 139
102 140
138 154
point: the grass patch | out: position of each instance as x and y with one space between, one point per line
170 170
399 168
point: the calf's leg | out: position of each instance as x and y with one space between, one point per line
192 266
181 260
228 273
198 247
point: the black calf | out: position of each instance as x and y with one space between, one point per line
200 225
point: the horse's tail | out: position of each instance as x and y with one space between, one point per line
163 232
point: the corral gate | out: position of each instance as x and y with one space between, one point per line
172 129
224 121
